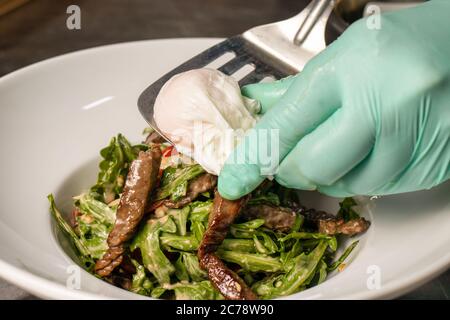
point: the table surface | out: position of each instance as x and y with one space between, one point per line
38 31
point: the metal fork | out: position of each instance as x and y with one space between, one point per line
274 50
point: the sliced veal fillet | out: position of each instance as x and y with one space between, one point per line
225 280
331 225
338 226
197 186
276 218
141 180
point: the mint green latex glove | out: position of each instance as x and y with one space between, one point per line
369 115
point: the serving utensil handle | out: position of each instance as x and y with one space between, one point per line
315 10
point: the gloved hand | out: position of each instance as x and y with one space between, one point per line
369 115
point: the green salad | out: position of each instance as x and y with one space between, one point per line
276 246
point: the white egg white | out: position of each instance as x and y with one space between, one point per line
203 112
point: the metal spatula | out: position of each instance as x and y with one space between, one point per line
274 50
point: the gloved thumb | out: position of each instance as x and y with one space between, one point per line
268 93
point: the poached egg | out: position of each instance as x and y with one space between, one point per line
204 114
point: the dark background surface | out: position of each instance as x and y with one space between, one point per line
37 31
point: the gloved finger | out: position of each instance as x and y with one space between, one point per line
309 101
337 190
378 173
329 152
267 93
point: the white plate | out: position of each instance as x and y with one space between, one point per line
56 115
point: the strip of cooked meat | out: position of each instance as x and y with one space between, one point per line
277 218
338 226
314 216
223 214
140 181
226 281
197 186
112 258
330 224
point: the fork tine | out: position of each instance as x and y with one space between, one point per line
261 71
235 64
206 57
253 77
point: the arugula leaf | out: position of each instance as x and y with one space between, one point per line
242 233
200 210
333 244
346 210
254 262
174 177
298 223
85 254
259 246
198 229
194 291
305 235
268 246
180 269
287 258
140 283
94 224
321 272
94 236
116 159
249 225
192 266
238 245
157 292
180 216
344 256
304 265
148 241
179 191
246 230
101 212
184 243
268 198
